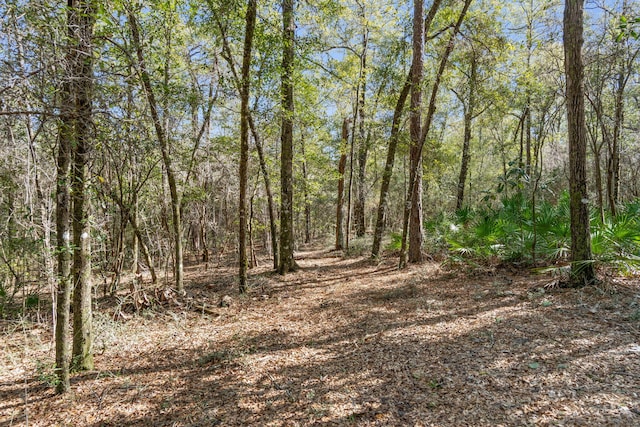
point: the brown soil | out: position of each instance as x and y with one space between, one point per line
345 341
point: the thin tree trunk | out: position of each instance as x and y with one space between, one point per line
613 165
342 165
466 143
72 173
287 262
259 148
414 185
350 184
63 231
596 149
267 185
166 157
416 228
582 271
253 259
244 142
145 251
393 143
388 168
135 244
307 202
360 200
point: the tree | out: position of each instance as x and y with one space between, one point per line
413 206
72 162
393 144
227 55
363 144
244 140
287 263
82 354
163 140
582 271
416 227
342 163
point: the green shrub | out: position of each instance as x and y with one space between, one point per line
510 233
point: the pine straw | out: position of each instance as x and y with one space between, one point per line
347 342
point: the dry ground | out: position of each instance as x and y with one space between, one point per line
345 341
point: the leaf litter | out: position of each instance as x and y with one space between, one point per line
345 341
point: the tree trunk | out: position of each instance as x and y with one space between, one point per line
393 143
287 263
259 148
414 191
342 165
82 313
72 171
363 149
166 156
416 228
267 185
466 142
596 148
244 141
135 242
63 231
613 165
582 271
307 202
145 250
388 168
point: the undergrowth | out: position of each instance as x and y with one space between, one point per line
511 233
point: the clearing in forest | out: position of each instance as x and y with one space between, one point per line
345 341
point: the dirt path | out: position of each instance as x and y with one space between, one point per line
345 341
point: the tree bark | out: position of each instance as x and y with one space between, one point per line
466 142
582 271
267 186
416 228
306 200
363 149
82 355
259 148
63 231
72 174
414 185
287 263
166 156
613 164
244 142
342 165
393 144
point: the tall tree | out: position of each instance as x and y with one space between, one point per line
414 191
75 119
582 271
163 140
342 164
416 228
227 55
469 114
287 263
244 140
363 145
82 354
393 144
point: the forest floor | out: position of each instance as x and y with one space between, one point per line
344 341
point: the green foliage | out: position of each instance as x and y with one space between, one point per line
396 242
46 374
616 241
508 233
628 28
